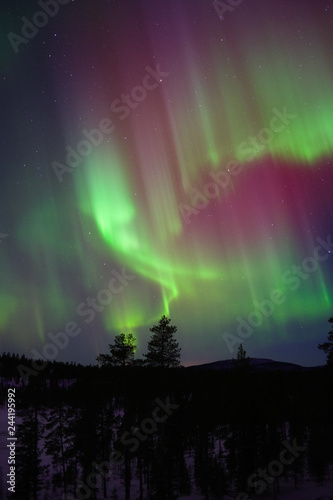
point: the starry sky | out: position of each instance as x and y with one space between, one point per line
167 157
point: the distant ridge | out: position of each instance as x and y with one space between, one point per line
256 364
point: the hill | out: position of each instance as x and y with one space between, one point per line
256 364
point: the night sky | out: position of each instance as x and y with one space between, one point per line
167 157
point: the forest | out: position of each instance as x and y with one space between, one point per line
144 433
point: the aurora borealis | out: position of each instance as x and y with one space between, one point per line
205 174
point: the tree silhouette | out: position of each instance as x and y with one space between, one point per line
122 351
163 349
242 360
241 353
30 469
59 444
327 347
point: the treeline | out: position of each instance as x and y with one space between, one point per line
9 363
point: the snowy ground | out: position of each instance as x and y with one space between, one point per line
310 491
306 491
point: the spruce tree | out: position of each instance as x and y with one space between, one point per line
163 349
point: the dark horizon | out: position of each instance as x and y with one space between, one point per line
188 365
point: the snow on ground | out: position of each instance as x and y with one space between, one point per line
308 490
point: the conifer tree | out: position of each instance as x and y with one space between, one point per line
59 444
163 349
122 351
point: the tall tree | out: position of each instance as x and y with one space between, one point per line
122 351
327 347
163 349
30 471
59 444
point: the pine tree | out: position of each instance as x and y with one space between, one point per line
163 349
122 351
327 347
